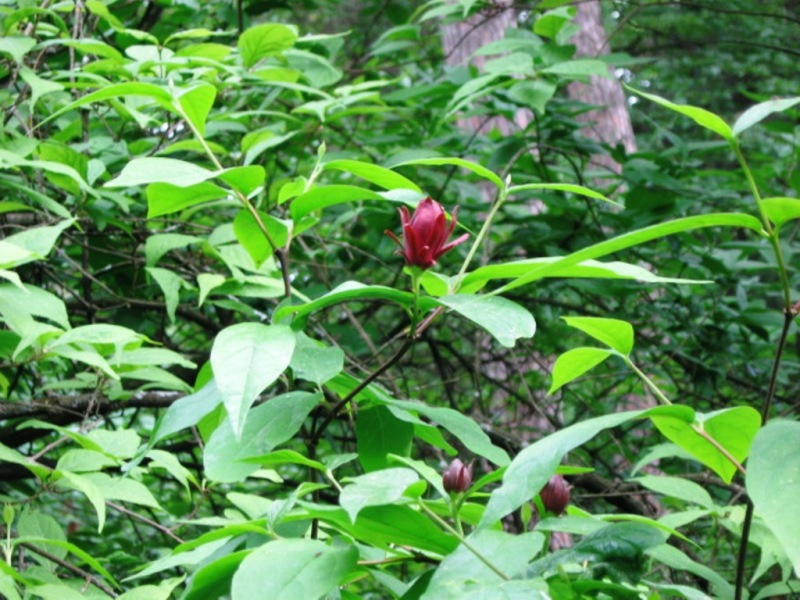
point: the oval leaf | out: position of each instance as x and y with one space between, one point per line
246 358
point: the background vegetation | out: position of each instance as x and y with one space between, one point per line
220 379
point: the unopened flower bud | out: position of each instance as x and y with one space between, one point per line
555 495
457 477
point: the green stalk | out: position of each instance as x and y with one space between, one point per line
501 198
449 528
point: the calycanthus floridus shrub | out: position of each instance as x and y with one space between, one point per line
180 221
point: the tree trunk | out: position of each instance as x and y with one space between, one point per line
610 124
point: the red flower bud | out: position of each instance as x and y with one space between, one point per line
425 233
457 477
555 495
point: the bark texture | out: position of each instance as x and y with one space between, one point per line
610 124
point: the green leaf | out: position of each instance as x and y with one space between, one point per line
157 245
34 524
478 278
207 282
510 553
773 483
676 487
376 489
458 424
196 103
700 116
10 455
95 496
244 180
574 363
781 210
378 434
250 235
635 238
264 40
32 301
733 428
72 549
268 425
166 198
580 68
283 457
759 112
187 411
16 46
329 195
388 526
562 187
297 569
533 94
246 359
348 291
617 550
39 87
380 176
507 321
530 470
457 162
141 171
213 579
315 362
170 284
114 91
122 488
676 559
616 334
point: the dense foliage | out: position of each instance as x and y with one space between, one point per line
222 378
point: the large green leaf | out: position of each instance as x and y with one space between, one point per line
479 170
268 425
574 363
141 171
509 553
386 527
292 569
530 470
381 176
329 195
507 321
166 198
773 483
376 489
616 334
348 291
781 210
247 358
700 116
378 434
732 428
196 103
265 40
458 424
111 92
759 112
562 187
635 238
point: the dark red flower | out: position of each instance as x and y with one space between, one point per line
457 477
555 495
425 233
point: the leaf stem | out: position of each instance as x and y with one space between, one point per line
648 382
502 195
280 253
450 529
